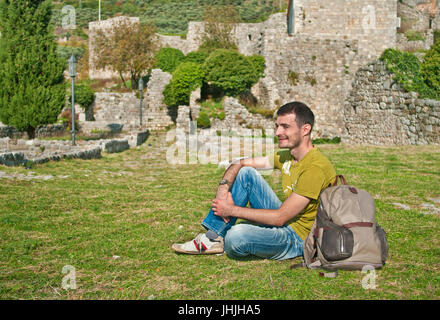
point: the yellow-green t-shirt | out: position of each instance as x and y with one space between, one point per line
307 178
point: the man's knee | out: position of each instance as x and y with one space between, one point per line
247 173
235 241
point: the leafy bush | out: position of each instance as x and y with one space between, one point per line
186 78
413 75
203 120
231 71
84 95
197 56
258 63
335 140
413 35
430 69
167 59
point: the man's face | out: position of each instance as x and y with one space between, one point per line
288 132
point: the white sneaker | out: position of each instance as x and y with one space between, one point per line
200 245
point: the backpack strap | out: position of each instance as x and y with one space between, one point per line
298 265
344 182
341 177
358 224
315 265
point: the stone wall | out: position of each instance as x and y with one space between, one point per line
16 152
314 71
190 43
49 130
332 40
237 116
123 108
416 21
379 112
372 22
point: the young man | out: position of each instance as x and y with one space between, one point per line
276 229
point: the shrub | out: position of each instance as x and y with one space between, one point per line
230 71
213 108
411 74
203 120
168 59
413 35
186 78
259 64
335 140
430 70
84 95
197 56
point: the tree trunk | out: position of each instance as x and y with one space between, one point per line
123 80
31 132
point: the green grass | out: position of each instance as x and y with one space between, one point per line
132 204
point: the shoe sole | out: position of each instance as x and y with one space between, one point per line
207 252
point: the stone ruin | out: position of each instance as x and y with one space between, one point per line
331 41
333 53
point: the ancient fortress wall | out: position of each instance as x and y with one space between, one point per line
372 22
331 40
379 112
318 64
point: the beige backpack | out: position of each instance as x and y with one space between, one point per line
345 234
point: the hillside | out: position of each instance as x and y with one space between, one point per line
169 16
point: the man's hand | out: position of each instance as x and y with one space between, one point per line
223 207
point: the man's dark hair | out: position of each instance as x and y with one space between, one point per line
302 112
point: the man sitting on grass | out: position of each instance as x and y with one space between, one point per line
277 229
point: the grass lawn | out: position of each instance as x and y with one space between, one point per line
114 220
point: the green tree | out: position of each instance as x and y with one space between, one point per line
231 71
186 78
126 48
32 88
167 59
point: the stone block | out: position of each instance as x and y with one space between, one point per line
114 146
12 158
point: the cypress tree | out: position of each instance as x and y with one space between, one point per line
32 88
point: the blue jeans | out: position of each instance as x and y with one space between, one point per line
244 239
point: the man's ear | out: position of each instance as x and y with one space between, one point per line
306 129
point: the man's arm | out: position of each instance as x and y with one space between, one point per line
290 208
231 173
